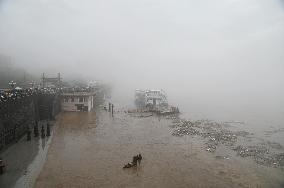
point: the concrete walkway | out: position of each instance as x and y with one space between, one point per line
24 161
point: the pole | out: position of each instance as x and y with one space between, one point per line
112 110
43 80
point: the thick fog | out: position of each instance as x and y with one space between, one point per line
224 56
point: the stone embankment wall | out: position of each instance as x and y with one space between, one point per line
20 115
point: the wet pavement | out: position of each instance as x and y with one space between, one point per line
90 149
24 161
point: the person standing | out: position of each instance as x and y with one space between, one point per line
139 158
36 133
47 130
29 134
42 132
2 166
134 161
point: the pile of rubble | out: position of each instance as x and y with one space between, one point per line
185 131
261 155
251 151
215 134
212 131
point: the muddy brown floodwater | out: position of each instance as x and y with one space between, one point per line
90 149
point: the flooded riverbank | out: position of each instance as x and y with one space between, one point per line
90 149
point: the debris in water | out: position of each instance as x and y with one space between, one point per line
215 134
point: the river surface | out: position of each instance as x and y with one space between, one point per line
90 149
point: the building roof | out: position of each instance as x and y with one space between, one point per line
78 94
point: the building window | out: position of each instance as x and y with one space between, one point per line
81 99
72 99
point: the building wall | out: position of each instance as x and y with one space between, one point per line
16 116
90 103
68 106
70 103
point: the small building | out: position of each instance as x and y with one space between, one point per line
77 101
150 98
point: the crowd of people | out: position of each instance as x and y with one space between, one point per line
18 93
14 94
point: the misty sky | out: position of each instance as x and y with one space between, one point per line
210 51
